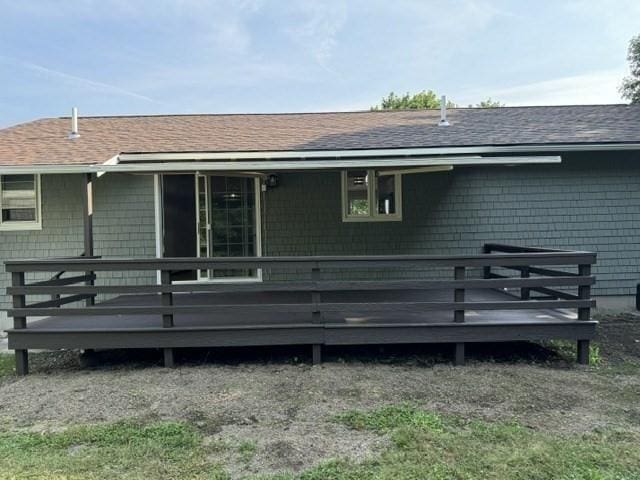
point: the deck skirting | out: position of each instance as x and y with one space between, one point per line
335 334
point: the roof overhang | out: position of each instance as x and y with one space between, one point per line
378 152
279 165
267 161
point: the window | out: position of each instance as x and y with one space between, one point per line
20 202
370 196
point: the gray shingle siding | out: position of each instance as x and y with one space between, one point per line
588 202
123 225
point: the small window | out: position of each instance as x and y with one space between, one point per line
370 196
20 202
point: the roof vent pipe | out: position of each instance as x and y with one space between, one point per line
74 124
443 112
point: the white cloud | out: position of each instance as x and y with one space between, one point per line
589 88
80 81
317 32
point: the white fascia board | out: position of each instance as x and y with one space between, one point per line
283 165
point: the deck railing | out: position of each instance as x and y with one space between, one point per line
538 270
533 264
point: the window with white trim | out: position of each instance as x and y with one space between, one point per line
371 196
20 202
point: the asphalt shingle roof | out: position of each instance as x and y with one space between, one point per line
45 141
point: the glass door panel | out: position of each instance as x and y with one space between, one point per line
230 215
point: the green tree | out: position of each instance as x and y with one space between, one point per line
630 88
489 103
420 100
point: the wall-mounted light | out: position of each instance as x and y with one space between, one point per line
271 181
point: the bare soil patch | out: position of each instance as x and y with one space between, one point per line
278 410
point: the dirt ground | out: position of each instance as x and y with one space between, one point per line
276 401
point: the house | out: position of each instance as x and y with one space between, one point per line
322 228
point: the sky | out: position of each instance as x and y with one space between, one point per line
123 57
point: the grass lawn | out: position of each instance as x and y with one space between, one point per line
424 445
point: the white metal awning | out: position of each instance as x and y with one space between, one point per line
130 164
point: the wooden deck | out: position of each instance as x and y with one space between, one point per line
494 307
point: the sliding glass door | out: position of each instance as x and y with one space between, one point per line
227 222
221 220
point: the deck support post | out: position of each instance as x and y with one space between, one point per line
584 314
583 352
167 318
459 354
486 270
168 357
316 350
22 362
525 293
19 323
584 292
458 295
316 313
87 210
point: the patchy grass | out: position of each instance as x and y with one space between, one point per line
247 450
567 350
429 446
121 450
391 417
7 365
424 445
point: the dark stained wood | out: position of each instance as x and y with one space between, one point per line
458 295
20 323
310 334
53 284
498 260
316 353
459 354
358 307
583 352
499 281
59 301
584 291
316 312
168 357
22 362
87 209
525 293
167 300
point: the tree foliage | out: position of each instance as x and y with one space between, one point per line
630 88
422 100
489 103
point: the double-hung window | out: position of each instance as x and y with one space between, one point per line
371 196
20 202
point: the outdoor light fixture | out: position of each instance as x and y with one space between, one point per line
271 181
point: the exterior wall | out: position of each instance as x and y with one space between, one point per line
589 202
123 225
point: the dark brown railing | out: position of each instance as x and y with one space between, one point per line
562 279
533 266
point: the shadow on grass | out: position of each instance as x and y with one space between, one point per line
407 354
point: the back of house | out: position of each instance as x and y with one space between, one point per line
323 184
